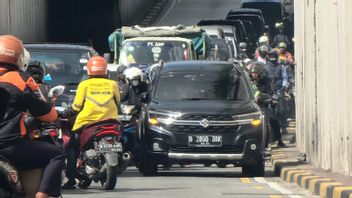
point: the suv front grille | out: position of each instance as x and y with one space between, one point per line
223 149
200 129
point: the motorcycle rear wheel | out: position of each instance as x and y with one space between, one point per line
110 178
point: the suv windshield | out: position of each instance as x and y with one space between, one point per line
62 67
204 86
149 52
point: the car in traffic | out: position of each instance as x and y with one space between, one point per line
201 112
64 65
273 11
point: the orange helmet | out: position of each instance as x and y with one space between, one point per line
11 51
97 66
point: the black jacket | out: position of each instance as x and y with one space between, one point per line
23 97
134 94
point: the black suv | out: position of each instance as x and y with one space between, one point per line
202 112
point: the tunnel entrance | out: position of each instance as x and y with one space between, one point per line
83 21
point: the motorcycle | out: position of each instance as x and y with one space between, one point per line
101 151
26 183
129 122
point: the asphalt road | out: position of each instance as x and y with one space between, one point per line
194 181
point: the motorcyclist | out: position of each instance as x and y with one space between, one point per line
36 70
137 86
285 57
277 74
243 51
121 82
96 100
263 41
23 153
281 35
262 84
263 52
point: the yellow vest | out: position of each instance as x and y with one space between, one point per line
96 100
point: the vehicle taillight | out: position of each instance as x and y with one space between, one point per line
185 55
52 133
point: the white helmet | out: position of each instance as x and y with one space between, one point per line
133 73
24 60
263 40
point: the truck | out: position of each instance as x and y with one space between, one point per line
137 46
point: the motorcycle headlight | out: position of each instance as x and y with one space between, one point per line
127 109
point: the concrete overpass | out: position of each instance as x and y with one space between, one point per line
79 21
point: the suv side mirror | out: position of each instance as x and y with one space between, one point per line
107 57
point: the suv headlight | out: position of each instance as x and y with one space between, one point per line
156 118
255 119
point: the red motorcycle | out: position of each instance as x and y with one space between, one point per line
101 154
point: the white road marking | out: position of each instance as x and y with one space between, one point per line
276 186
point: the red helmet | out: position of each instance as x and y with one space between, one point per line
11 51
97 66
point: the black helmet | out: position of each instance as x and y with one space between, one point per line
258 68
37 70
273 56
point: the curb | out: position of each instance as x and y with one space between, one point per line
323 186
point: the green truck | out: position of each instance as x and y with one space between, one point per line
137 46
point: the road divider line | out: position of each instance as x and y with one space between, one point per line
245 180
275 196
277 187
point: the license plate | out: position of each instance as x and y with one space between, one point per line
205 140
125 117
117 147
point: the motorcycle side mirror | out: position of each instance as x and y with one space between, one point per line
64 105
56 91
145 97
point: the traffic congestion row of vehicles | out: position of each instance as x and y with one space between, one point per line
200 105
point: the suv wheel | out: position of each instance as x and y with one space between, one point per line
146 167
257 170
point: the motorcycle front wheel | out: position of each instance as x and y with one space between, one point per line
110 177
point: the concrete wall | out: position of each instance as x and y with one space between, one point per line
133 11
323 82
25 19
